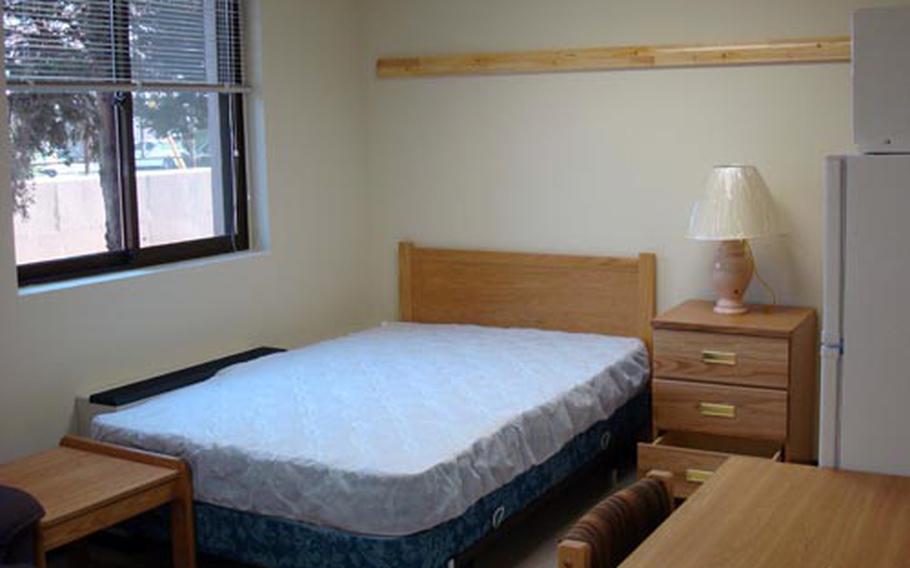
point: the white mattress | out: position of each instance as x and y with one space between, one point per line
388 431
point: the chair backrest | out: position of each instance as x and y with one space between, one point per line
19 517
609 532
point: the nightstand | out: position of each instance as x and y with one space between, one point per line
87 486
724 385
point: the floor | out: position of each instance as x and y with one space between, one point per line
531 545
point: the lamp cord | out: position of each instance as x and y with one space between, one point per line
758 277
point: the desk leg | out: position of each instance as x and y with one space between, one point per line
40 555
183 533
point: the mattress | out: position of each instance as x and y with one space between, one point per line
274 542
389 431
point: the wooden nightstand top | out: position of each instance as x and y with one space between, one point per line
768 321
87 486
68 482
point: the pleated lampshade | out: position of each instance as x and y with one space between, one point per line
736 206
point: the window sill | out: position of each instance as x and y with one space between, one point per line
51 287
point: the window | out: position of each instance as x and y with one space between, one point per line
126 127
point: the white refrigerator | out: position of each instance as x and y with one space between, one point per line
865 352
865 395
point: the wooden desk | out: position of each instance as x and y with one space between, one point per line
754 513
86 486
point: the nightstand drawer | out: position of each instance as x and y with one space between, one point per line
715 357
693 458
720 410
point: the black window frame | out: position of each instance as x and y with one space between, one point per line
133 255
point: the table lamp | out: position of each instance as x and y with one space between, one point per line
736 206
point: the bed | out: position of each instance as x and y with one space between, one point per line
410 443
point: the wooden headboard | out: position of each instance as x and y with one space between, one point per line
608 295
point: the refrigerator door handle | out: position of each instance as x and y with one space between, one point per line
832 335
835 347
829 406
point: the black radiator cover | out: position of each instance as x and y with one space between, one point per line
161 384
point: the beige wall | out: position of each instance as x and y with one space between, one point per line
603 162
584 162
307 285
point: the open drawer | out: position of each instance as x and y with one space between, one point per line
693 458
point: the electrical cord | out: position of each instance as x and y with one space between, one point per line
758 276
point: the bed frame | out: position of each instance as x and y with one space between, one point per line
607 295
589 294
592 294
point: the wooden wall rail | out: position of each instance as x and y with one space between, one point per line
805 50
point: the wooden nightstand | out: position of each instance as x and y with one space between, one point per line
86 486
731 385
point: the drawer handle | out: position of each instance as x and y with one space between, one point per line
717 410
698 475
718 358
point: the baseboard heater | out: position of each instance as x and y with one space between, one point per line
120 398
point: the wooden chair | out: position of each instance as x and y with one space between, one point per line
609 532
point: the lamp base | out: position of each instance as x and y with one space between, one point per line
730 308
733 268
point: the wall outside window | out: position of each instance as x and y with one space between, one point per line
67 216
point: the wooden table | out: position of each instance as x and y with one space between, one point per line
754 513
86 486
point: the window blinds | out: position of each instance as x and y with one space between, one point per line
123 44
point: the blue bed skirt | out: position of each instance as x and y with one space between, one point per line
272 542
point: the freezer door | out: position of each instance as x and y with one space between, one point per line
875 384
829 402
881 79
